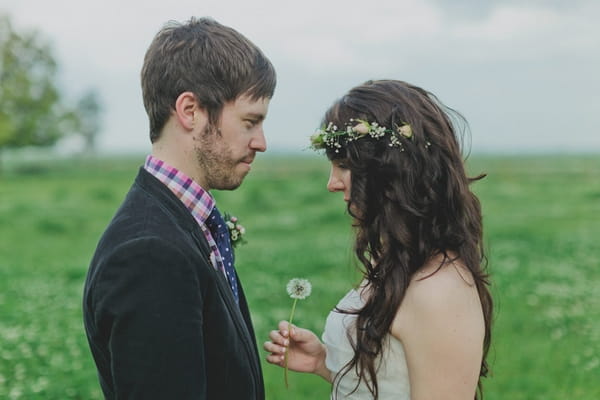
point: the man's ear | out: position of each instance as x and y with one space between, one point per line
188 112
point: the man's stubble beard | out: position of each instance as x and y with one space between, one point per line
216 161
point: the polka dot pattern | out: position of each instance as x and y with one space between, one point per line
220 233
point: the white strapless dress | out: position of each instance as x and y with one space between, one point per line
392 375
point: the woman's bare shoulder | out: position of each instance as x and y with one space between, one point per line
438 292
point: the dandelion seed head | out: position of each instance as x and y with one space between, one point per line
299 288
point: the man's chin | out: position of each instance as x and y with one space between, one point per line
231 184
230 181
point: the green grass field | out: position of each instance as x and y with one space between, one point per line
542 221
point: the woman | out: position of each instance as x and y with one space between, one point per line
418 325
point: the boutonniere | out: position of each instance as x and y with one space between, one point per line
236 231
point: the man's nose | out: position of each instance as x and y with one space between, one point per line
258 142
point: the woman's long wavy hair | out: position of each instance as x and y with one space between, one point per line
408 206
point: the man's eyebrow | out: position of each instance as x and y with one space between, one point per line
256 116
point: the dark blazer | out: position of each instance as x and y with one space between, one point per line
161 322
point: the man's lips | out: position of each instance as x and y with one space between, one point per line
247 160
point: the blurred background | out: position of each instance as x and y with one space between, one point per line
73 132
523 73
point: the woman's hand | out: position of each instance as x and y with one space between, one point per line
306 353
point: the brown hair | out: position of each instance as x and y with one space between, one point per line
408 205
211 60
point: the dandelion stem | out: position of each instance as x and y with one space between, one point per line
285 361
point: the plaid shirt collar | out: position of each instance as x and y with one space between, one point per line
193 196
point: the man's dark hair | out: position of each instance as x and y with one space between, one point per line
214 62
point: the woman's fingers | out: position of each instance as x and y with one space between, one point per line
284 327
276 356
274 348
278 344
278 338
276 359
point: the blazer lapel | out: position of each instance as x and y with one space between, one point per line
242 323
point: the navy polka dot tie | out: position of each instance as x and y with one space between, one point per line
220 233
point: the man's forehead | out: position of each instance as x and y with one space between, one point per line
248 105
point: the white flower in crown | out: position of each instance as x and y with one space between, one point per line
361 128
406 131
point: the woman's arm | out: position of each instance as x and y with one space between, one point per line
306 353
440 324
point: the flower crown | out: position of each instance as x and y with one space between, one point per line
332 138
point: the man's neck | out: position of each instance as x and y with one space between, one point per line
179 160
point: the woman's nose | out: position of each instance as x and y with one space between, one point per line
334 184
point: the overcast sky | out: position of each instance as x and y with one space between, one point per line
523 73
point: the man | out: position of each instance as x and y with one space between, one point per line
165 315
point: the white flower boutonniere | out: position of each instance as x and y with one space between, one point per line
236 230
